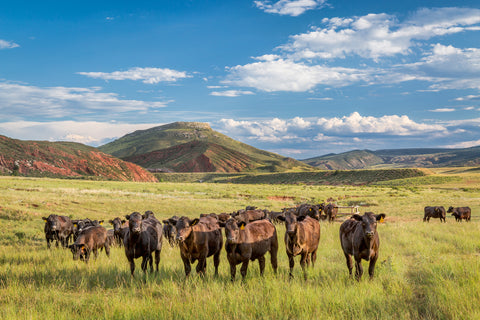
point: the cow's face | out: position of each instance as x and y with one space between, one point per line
51 223
135 222
369 223
291 221
450 210
184 228
117 224
79 251
232 230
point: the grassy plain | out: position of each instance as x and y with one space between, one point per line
425 270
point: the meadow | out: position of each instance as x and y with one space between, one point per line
425 270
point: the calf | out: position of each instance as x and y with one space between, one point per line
82 224
331 211
301 238
251 241
460 213
90 240
120 228
434 212
58 228
359 238
144 236
199 239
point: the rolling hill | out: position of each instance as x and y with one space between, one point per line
65 159
398 158
195 147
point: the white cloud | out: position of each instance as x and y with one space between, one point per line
231 93
93 133
289 7
146 75
464 144
443 110
19 101
469 97
7 44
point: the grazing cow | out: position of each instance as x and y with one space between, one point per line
250 215
82 224
331 211
434 212
90 240
169 230
58 228
199 239
245 242
120 228
301 238
144 236
460 213
359 238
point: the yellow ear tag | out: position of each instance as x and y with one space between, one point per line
242 227
382 220
101 223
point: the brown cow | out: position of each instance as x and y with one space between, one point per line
90 240
58 228
461 213
301 238
359 238
434 212
199 239
143 237
331 211
251 241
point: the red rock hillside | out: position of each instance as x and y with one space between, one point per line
65 159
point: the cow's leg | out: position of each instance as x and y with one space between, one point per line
216 261
157 259
291 264
144 263
273 259
261 264
349 263
371 266
132 265
48 243
95 253
233 271
358 269
186 265
243 269
202 266
150 259
107 249
314 258
303 264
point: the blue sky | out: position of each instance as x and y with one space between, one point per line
301 78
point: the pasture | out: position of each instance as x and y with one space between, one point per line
425 270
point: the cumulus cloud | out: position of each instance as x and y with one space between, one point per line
146 75
289 7
93 133
19 100
464 144
4 44
231 93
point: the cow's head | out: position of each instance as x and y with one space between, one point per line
79 251
232 230
450 209
117 223
184 228
291 221
369 223
51 223
134 222
314 212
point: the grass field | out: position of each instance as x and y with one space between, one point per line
425 270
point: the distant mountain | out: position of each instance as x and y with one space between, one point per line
398 158
195 147
65 159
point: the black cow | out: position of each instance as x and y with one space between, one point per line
58 228
359 238
169 230
434 212
120 228
461 213
143 237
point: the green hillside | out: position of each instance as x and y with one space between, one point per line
171 147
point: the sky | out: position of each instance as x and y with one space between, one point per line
301 78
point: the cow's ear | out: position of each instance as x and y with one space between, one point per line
301 218
100 222
123 221
71 246
127 217
241 225
281 218
44 219
194 222
165 221
357 217
380 217
222 224
110 221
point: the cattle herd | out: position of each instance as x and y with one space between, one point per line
249 234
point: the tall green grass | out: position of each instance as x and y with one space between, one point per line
425 270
